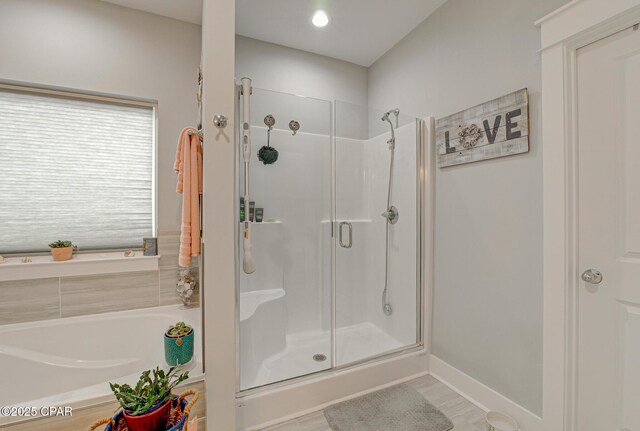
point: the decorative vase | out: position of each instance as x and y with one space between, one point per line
178 350
60 254
154 420
186 285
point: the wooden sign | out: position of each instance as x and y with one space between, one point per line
494 129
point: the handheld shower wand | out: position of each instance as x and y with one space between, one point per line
391 214
248 265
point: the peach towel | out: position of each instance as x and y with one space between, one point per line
188 166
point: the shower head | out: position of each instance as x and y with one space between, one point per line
395 112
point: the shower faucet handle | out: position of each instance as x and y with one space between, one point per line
391 214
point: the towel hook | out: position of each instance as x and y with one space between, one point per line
294 126
220 121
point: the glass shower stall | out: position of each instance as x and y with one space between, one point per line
335 236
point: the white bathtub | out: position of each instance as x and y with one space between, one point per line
70 361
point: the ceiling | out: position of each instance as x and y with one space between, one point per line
184 10
359 31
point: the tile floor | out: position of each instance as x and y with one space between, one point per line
464 415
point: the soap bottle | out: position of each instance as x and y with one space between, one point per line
252 211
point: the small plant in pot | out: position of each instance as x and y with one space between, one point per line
61 250
178 344
147 405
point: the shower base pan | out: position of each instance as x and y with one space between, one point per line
303 351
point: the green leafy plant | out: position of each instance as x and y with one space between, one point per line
180 329
60 244
152 390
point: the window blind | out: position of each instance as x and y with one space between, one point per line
74 169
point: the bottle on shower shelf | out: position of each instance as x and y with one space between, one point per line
252 211
242 210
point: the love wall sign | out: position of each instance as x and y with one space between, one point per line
494 129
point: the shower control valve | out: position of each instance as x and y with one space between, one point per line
391 215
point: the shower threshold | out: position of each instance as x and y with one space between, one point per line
353 343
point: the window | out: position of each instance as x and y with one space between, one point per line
74 167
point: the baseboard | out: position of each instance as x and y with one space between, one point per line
482 395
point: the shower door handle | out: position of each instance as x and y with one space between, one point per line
350 226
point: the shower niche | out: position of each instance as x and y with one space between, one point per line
324 251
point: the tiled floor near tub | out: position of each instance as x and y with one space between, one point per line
464 415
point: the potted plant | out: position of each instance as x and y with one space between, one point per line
147 405
178 344
61 250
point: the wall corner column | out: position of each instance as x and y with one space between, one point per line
218 69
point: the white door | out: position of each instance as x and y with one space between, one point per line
609 234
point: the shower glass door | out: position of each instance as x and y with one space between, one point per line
364 257
285 305
323 252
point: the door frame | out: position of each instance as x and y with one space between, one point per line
563 32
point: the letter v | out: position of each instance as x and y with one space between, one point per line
491 137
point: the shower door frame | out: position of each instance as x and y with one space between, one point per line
424 245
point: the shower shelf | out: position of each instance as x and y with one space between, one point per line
355 220
255 223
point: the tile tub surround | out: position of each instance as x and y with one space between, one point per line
53 298
84 417
29 300
114 292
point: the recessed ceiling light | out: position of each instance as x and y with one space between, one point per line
320 19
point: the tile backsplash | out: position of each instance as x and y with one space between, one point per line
52 298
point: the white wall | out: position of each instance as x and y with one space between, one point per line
488 242
95 46
289 70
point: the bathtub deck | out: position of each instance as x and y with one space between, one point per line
464 415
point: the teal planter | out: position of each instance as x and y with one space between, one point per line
178 350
